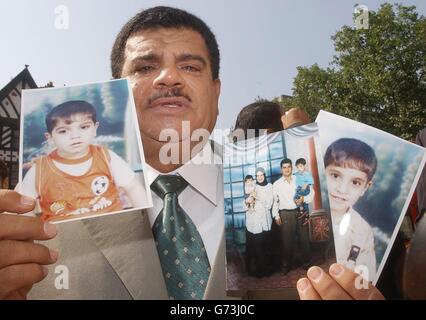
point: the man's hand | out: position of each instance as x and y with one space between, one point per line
339 284
278 220
21 261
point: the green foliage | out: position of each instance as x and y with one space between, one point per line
377 76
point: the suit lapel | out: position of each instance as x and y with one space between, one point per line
127 243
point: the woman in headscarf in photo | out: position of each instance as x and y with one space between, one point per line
258 224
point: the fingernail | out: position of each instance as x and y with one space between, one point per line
49 229
315 273
26 201
336 269
45 271
54 255
303 284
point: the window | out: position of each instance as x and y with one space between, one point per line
250 157
276 150
237 190
227 190
249 170
239 205
262 154
226 175
276 168
236 173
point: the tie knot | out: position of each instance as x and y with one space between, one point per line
165 184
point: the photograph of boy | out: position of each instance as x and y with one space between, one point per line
79 177
304 182
371 176
350 165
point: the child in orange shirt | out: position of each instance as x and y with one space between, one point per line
79 177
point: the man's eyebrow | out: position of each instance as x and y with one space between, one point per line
189 56
148 57
153 57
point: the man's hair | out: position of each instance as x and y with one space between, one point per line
260 115
352 153
163 17
300 161
284 161
247 177
66 110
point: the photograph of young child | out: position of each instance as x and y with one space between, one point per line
304 181
371 176
350 165
78 170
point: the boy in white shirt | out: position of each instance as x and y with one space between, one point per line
350 165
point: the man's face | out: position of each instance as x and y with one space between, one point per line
345 187
73 136
171 78
286 170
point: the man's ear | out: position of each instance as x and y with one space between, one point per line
217 86
48 136
96 128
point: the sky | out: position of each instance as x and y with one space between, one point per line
261 42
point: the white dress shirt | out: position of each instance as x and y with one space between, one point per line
284 192
202 199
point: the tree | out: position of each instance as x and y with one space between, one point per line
377 76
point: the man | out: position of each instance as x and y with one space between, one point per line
172 60
294 233
258 115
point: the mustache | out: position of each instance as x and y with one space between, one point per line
168 93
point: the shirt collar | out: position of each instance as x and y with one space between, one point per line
284 180
338 217
201 172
